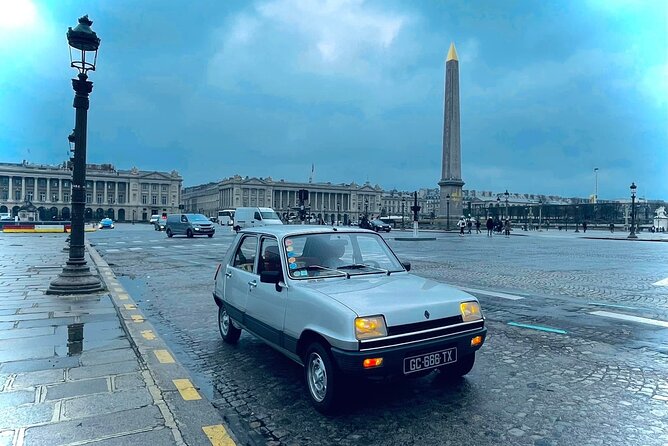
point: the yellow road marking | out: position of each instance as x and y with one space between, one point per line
130 307
148 334
186 389
137 318
164 356
218 436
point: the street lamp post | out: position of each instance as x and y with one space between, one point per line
595 185
506 195
498 203
577 218
633 211
76 277
366 207
403 206
447 207
338 213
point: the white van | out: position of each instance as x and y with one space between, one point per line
251 217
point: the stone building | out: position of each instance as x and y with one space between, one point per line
327 202
121 195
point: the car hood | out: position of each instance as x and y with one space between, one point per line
402 298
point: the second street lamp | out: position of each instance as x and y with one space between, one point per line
447 217
506 194
633 211
76 277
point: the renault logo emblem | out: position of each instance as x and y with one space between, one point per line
426 314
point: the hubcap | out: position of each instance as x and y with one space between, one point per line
317 377
224 321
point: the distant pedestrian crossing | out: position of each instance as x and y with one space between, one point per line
141 245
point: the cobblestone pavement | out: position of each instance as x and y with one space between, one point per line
601 380
71 371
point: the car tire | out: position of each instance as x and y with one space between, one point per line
322 379
228 331
155 228
169 233
460 368
210 235
189 233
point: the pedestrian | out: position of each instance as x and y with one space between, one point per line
477 226
490 226
506 227
612 227
469 224
584 226
462 224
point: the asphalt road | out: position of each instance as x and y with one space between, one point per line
577 350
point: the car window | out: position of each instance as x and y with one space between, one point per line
184 219
326 255
257 216
267 215
270 259
244 257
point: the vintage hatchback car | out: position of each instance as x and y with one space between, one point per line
338 301
379 225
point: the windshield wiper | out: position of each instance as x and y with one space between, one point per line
362 266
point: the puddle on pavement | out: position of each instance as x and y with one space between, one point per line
137 289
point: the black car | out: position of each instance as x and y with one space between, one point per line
379 225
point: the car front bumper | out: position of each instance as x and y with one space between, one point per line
351 362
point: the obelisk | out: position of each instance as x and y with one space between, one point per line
451 170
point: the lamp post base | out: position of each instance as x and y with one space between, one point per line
76 278
632 235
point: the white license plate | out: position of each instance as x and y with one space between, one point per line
430 360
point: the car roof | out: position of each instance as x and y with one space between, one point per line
285 230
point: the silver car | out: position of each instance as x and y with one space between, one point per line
339 302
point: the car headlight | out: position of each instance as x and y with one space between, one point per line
370 327
196 229
470 311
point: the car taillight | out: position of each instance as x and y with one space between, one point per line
217 269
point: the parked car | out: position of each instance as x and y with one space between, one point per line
189 225
339 302
161 223
250 217
379 225
106 223
154 218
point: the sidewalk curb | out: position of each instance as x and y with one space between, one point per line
192 418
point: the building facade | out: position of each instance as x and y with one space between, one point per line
122 195
326 202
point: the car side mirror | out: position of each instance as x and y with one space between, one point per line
406 265
274 277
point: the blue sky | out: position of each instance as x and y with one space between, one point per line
549 90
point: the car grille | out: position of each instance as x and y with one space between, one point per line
398 336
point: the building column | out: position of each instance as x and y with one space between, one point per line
10 197
60 190
116 192
34 189
94 197
23 188
48 190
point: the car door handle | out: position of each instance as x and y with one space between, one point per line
252 283
228 274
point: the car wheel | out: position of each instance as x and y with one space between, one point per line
169 233
189 233
236 228
322 378
210 235
228 331
155 228
460 368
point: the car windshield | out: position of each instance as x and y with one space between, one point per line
199 217
338 254
269 215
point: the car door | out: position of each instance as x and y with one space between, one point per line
265 310
257 219
239 275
